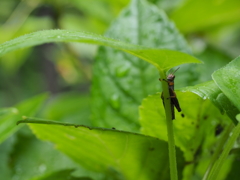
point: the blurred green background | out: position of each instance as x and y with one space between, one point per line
212 29
52 67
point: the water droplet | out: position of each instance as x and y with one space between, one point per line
115 101
42 168
70 137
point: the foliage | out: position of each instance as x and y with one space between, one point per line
118 130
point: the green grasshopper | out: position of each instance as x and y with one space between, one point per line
174 100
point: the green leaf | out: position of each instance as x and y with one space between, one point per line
190 130
32 158
227 79
121 81
193 74
109 150
163 59
209 90
28 108
205 14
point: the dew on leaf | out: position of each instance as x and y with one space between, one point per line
70 137
42 168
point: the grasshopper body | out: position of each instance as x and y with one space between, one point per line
174 100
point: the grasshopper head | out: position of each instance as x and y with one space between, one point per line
171 76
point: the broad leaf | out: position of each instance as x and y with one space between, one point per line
189 131
26 108
32 158
227 79
109 150
121 81
161 58
209 90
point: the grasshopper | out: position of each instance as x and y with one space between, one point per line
174 100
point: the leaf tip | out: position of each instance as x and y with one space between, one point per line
24 118
19 122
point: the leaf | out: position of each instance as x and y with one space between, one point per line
161 58
209 90
133 156
194 74
27 108
121 81
227 79
199 119
32 159
205 14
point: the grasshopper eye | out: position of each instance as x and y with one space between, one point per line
170 77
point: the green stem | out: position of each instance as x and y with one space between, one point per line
218 150
218 165
170 133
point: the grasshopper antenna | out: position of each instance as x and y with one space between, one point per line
175 70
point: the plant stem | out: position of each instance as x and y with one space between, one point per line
170 133
218 150
218 165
